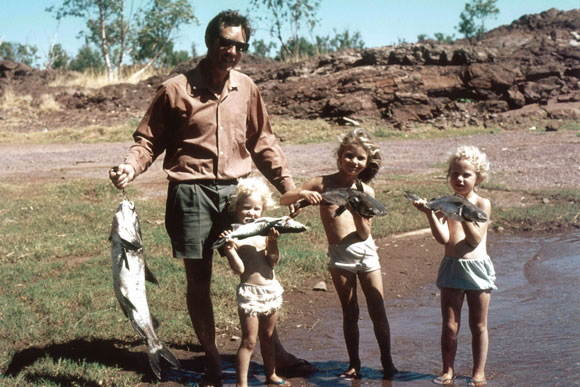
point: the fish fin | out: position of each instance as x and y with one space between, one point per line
359 185
149 276
138 329
169 356
301 204
155 321
124 258
155 363
412 196
155 356
219 243
126 305
339 211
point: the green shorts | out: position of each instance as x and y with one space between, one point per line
195 215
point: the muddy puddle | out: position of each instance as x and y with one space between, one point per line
533 326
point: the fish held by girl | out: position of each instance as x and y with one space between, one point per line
453 207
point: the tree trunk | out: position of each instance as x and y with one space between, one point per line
105 42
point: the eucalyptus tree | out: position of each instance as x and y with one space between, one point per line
120 30
286 18
157 31
108 27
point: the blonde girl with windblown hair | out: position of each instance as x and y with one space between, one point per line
351 248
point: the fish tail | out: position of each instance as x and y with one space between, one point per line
339 211
412 196
155 355
301 204
219 243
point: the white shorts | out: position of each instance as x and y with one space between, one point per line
359 257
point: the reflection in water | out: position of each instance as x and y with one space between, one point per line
533 327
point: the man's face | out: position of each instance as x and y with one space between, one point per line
223 53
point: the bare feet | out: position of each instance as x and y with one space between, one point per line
390 372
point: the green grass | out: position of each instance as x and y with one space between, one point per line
60 323
289 131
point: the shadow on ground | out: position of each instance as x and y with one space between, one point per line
129 356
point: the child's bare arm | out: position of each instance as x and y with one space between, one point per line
310 191
234 260
272 252
474 232
438 228
363 225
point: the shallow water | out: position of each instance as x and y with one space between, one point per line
533 322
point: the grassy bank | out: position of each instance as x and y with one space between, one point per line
59 320
289 131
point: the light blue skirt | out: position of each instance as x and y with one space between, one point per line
467 274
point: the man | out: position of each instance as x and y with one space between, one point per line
212 123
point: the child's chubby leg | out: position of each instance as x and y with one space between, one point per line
372 286
266 331
478 303
249 325
451 302
345 285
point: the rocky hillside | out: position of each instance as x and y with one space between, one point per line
528 69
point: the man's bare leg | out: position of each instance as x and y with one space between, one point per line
200 308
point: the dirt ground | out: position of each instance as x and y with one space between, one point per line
521 161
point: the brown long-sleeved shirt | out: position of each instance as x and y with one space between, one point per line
207 136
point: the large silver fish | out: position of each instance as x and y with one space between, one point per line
364 204
129 274
261 226
453 207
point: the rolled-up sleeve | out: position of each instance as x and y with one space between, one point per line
151 133
263 145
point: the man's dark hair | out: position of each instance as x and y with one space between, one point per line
227 18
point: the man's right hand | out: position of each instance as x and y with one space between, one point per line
121 175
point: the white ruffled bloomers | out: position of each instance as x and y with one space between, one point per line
260 300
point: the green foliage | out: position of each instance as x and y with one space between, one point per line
476 11
87 59
17 52
174 58
57 57
147 33
156 30
260 48
422 38
442 38
286 19
346 39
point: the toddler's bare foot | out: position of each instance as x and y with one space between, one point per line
352 373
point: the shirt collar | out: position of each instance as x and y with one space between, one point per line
198 80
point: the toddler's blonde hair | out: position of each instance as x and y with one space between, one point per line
360 137
475 156
249 186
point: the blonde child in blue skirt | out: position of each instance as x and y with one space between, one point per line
466 270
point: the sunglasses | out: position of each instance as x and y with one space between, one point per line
228 43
